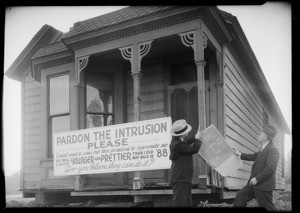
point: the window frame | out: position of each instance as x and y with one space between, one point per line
99 73
49 154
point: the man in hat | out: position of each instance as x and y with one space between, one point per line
262 180
181 150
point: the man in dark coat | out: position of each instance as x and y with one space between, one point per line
181 150
262 179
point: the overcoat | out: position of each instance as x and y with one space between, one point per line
264 167
182 161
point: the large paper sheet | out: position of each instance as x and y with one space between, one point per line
217 153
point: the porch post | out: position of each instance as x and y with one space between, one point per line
134 54
81 63
198 41
220 92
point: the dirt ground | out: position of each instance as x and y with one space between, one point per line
282 201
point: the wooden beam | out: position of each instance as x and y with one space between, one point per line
136 192
227 195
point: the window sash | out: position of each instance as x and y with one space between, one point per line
57 112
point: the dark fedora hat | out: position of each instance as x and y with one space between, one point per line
269 130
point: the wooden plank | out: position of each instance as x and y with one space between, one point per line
135 192
153 74
231 107
224 195
240 128
239 140
237 96
32 185
32 139
233 101
32 115
32 131
32 100
32 123
32 93
236 84
233 119
234 133
243 78
241 174
57 184
148 96
147 107
32 178
31 162
147 115
32 154
234 183
32 147
149 87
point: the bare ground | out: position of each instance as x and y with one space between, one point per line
282 201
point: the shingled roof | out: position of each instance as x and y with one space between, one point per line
99 22
113 18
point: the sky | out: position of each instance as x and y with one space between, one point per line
267 28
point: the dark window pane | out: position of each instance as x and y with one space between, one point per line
59 94
179 104
184 73
99 92
96 120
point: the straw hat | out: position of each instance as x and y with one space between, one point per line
180 127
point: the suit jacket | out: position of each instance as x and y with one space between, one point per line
264 167
181 156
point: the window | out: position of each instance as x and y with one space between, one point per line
59 111
99 99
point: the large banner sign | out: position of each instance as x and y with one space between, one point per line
135 146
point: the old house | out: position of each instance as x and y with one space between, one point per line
141 63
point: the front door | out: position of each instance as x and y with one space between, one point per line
183 104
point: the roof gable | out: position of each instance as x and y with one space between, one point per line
45 35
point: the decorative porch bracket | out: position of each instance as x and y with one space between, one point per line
188 40
126 53
134 54
82 63
143 50
80 180
198 41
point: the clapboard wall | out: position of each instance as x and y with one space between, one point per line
152 106
244 119
31 153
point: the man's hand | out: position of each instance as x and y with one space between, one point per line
253 181
198 135
237 152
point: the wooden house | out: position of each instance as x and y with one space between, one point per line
149 62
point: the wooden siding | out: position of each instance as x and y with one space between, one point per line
244 118
152 106
152 102
32 133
